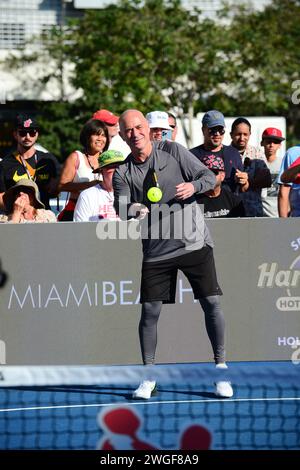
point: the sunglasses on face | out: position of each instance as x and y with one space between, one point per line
216 130
31 132
172 126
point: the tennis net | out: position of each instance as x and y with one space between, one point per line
70 407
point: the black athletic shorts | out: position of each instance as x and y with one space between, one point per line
159 278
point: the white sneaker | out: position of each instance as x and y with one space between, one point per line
145 390
223 388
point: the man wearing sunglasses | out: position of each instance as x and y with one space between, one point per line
213 128
26 162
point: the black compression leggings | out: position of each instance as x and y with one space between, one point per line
214 321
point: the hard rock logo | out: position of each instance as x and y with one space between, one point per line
271 276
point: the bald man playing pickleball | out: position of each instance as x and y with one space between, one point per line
175 237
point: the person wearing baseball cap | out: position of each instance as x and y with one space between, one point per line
213 119
25 121
219 202
26 161
106 116
96 203
271 140
160 128
213 129
111 159
273 133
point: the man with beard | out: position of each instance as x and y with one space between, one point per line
213 128
26 162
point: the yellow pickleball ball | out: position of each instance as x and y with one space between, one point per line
154 194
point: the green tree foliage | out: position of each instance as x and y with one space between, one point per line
139 54
154 54
60 127
262 48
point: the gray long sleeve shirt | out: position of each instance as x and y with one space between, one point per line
173 227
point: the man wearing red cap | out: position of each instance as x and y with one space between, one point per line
112 124
271 141
110 120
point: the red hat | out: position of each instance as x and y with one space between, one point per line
273 133
106 116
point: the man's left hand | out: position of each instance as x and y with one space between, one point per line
184 191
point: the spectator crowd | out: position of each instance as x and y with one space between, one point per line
250 181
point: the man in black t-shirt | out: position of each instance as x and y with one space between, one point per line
26 162
219 202
213 128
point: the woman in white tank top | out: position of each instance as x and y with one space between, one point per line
77 173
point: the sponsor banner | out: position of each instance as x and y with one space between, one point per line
72 298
